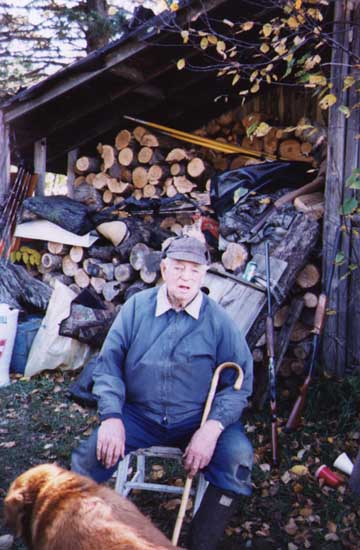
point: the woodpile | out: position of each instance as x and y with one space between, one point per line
126 258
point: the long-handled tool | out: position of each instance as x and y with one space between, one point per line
208 404
271 359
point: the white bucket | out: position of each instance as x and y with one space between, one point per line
8 325
344 464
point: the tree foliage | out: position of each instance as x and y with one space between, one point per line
287 43
37 37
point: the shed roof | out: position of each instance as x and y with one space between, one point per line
136 75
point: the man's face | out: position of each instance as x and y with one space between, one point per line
183 280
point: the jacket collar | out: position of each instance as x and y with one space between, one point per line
163 305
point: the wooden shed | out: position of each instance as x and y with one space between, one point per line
48 124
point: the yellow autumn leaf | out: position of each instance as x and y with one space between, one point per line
348 82
247 26
281 49
298 4
311 62
235 79
299 470
292 22
212 39
255 88
181 64
298 40
262 130
221 47
269 67
264 48
228 23
253 76
267 29
327 101
185 36
204 43
318 79
174 6
268 79
243 92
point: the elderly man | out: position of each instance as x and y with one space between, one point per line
152 381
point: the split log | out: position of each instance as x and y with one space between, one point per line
149 140
111 290
137 256
138 286
150 191
107 197
158 172
281 316
124 273
177 169
196 167
271 142
69 267
75 288
299 332
177 155
84 165
253 143
237 162
123 139
120 187
101 180
101 252
312 204
138 133
149 277
19 289
115 231
79 180
310 299
87 194
235 257
91 266
76 253
297 366
140 177
108 154
308 277
291 149
57 248
183 185
51 262
148 155
51 277
127 157
82 280
97 283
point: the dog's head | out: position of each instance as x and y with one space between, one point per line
22 496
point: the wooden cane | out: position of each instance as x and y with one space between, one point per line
209 401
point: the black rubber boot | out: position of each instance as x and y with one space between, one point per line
213 515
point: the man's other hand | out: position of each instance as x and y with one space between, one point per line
110 442
201 447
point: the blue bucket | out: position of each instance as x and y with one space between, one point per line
25 334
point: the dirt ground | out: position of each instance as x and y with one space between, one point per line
289 508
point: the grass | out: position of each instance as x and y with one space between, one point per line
287 511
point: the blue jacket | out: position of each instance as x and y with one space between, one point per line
164 365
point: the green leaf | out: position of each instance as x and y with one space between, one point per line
353 181
340 257
251 129
345 110
349 206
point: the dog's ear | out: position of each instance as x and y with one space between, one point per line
14 512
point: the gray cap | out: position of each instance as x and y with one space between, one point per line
188 249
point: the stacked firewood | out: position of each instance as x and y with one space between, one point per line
293 324
138 166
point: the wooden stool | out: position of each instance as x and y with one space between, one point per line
124 486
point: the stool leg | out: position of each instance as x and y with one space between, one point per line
122 474
200 490
140 467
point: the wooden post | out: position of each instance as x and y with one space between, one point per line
40 164
4 157
340 333
71 160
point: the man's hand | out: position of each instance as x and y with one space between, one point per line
110 442
201 447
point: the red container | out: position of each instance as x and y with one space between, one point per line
330 477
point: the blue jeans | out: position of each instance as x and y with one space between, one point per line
229 468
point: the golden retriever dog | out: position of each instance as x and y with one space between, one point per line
54 509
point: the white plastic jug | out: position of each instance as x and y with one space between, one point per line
8 325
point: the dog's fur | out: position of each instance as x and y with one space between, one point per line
54 509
